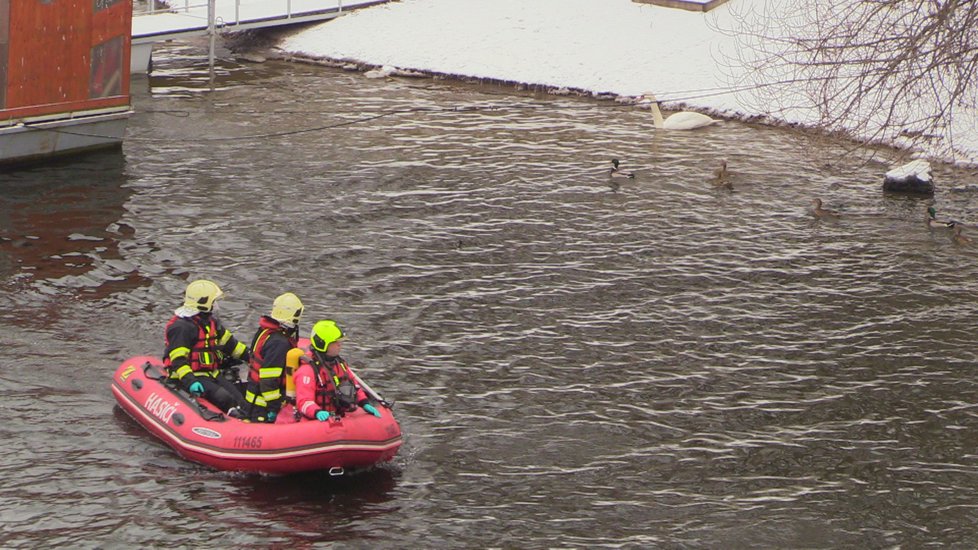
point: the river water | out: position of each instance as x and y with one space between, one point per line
575 363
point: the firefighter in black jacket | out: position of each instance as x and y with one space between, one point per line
278 333
195 344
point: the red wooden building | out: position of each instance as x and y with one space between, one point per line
64 76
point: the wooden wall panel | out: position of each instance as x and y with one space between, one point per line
45 44
111 16
4 34
50 64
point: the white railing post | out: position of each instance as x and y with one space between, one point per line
237 12
212 31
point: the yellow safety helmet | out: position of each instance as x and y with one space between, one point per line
324 333
201 295
287 309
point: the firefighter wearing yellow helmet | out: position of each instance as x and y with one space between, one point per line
326 386
196 341
278 333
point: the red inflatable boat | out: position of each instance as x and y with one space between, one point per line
199 432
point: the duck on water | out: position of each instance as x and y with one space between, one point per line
721 177
617 172
934 223
822 213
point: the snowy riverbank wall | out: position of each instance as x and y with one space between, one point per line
613 48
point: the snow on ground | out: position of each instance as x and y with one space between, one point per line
183 16
606 46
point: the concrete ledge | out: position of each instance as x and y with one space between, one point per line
689 5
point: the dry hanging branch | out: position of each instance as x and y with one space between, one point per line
878 70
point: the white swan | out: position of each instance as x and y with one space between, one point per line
683 120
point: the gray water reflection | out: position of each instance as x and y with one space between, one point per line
657 364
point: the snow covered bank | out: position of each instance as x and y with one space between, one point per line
608 46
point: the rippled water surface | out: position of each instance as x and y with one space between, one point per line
575 363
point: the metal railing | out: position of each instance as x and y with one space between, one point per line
187 6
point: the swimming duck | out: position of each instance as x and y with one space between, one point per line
720 177
618 173
958 237
822 212
683 120
935 223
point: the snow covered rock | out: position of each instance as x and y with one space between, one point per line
913 177
380 72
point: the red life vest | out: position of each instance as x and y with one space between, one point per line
203 354
268 328
329 378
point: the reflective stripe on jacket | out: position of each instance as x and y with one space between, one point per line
266 374
192 345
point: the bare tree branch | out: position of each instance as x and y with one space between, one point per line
878 70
